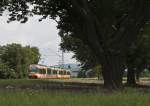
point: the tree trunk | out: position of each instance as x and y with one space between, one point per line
138 76
131 77
112 71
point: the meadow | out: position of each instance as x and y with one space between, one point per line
11 96
44 98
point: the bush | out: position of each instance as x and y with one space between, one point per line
81 74
6 72
145 73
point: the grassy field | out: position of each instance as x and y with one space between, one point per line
49 83
12 93
72 80
31 81
43 98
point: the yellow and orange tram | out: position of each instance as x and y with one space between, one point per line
44 72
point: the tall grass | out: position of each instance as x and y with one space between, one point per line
43 98
30 97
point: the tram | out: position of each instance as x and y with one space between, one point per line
45 72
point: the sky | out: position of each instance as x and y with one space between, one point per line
43 35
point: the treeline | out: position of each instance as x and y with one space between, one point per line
15 60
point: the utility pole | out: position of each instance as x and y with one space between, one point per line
63 61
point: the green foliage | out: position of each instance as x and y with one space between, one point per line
82 52
98 71
145 73
19 58
92 72
6 72
81 74
138 55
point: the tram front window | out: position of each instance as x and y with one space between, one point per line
34 70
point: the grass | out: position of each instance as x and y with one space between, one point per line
31 81
48 83
43 98
72 80
20 81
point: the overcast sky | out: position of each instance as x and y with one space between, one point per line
43 35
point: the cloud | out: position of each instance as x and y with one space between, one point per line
41 34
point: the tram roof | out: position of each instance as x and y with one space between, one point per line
51 67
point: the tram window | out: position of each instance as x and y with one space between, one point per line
42 71
49 71
54 72
68 73
65 73
61 72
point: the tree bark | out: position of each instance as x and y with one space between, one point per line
112 71
131 77
138 76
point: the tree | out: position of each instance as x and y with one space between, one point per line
6 72
19 58
82 52
138 57
108 27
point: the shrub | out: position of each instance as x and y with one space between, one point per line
6 72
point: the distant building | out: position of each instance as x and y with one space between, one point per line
74 73
75 69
